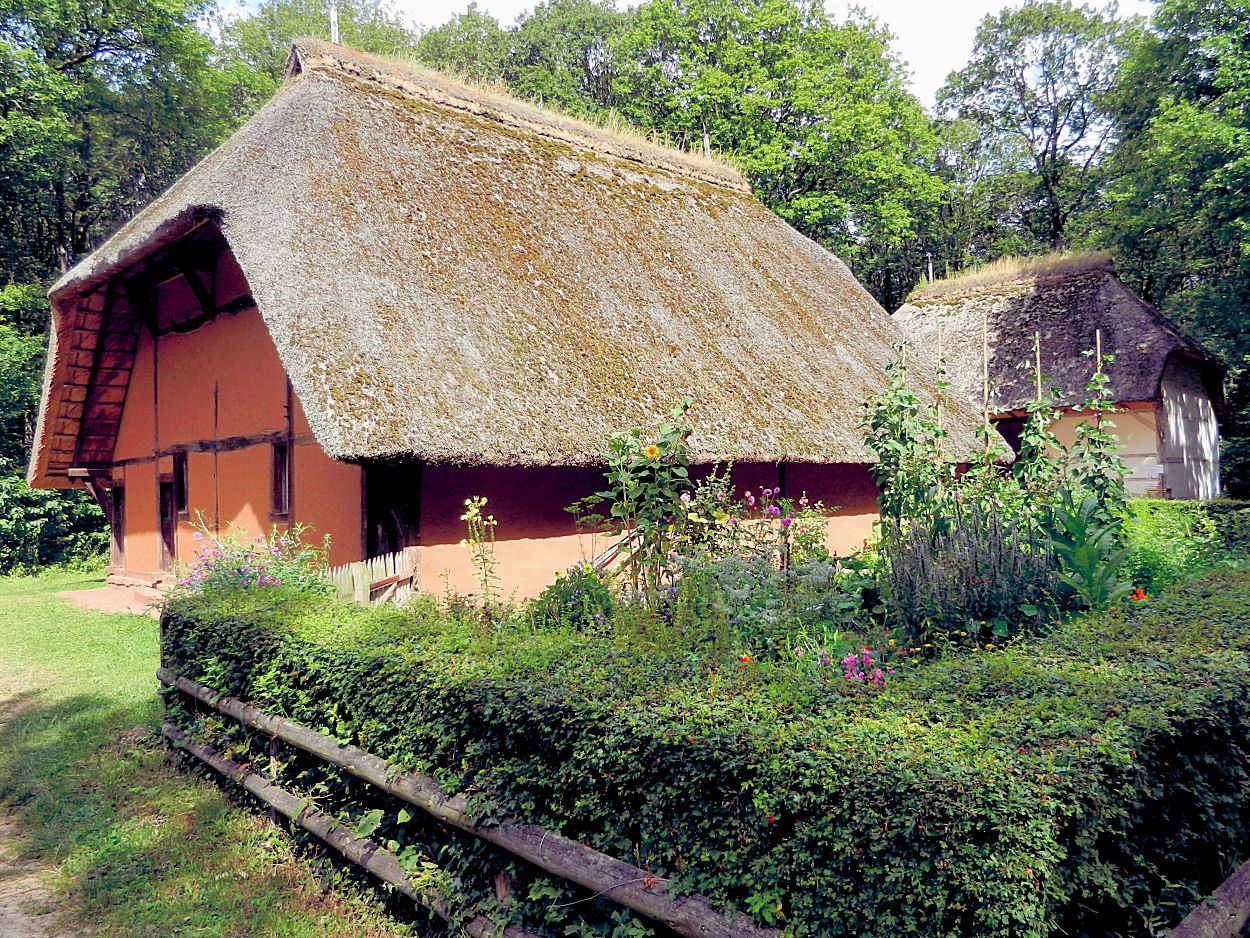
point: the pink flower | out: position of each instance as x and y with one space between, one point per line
750 499
803 502
197 536
685 497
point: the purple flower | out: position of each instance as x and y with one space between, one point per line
774 510
785 522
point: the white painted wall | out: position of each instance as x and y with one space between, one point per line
1176 441
1137 427
1190 433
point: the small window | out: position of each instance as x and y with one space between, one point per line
281 479
181 505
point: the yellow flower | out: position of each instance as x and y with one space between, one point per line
651 451
891 641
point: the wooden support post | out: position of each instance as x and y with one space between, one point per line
273 773
690 915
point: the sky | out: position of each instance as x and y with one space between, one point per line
934 37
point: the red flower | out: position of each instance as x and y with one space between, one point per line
1138 593
770 819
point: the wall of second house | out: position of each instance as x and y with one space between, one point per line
535 536
1137 426
218 395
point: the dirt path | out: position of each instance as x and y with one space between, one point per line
28 908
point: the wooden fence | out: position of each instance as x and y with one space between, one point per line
621 882
388 578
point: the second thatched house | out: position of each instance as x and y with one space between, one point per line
1168 388
387 293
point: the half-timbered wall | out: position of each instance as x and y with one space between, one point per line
214 393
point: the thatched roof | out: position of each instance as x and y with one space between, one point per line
1065 299
461 277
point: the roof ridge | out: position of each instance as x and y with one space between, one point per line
415 82
1019 271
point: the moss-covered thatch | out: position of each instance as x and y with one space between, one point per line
468 279
1066 300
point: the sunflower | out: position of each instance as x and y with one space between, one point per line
651 452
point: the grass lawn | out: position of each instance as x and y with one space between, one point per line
136 847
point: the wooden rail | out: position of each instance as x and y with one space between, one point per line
692 915
360 850
1224 913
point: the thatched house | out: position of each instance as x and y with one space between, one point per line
1170 389
387 292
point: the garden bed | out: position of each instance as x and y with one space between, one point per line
1091 779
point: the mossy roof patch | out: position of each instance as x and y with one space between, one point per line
443 282
1067 303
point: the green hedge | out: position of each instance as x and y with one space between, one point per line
1229 518
1092 780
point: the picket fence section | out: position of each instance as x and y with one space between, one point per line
388 578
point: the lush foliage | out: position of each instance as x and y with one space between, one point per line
992 550
1091 781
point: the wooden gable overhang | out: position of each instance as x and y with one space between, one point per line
94 341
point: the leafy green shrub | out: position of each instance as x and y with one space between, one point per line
1232 522
1167 541
1088 545
1235 466
579 599
1090 781
767 610
41 528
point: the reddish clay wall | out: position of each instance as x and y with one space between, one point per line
326 497
535 536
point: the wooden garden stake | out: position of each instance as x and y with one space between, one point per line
1098 373
1037 363
985 380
